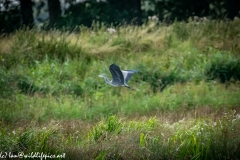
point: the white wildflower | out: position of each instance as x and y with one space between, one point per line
199 133
111 30
196 18
153 18
182 120
234 120
171 127
205 19
92 33
234 111
238 116
73 126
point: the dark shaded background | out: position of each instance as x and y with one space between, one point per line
115 12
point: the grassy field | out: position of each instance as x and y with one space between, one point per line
186 102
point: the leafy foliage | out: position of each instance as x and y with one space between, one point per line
224 67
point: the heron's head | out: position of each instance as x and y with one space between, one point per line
102 75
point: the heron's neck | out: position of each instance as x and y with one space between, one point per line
108 81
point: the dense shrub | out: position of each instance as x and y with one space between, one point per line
224 67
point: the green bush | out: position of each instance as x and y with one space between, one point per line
158 79
223 67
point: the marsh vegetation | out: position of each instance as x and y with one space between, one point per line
185 106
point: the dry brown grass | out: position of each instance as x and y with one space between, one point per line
6 45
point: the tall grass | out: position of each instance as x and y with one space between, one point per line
116 138
53 101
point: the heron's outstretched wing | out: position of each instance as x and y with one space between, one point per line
127 74
117 75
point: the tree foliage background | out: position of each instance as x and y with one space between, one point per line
114 12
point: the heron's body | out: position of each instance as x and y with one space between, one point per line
119 77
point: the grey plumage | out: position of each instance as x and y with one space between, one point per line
119 77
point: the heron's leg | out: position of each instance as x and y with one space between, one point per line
130 87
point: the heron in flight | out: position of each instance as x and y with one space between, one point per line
119 77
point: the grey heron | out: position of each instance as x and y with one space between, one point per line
119 77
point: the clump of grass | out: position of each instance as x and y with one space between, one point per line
6 83
204 33
26 86
159 80
199 138
223 67
30 140
145 138
101 130
206 141
28 46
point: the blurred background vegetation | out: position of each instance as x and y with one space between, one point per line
69 14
